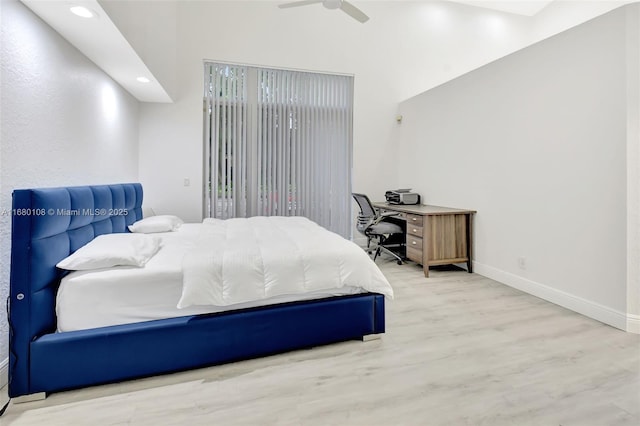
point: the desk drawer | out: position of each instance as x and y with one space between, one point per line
414 219
415 255
414 242
414 230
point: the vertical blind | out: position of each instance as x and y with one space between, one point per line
278 142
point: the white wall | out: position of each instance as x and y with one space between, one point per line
4 328
537 143
560 15
64 122
404 48
633 170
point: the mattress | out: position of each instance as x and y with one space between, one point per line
124 295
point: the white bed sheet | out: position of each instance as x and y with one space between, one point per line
124 295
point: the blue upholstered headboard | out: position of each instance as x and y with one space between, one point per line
48 224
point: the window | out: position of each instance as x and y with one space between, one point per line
278 142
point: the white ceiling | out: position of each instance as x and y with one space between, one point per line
519 7
100 40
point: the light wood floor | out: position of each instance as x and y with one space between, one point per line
460 349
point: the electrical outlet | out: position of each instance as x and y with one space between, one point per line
522 263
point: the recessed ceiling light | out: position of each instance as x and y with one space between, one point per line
82 11
143 79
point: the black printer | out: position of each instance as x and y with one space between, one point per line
402 196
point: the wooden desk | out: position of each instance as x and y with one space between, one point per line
435 235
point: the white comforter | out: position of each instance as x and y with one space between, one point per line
239 260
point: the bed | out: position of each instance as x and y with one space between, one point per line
51 223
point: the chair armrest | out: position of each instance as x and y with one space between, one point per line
383 216
389 213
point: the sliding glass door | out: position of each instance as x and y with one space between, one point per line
278 142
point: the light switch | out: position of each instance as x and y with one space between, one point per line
187 182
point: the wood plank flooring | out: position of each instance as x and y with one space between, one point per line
460 349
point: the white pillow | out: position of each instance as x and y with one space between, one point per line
162 223
109 250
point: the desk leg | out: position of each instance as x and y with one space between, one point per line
426 243
469 243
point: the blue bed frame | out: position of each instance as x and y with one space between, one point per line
50 223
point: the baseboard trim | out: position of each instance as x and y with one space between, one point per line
577 304
4 372
633 323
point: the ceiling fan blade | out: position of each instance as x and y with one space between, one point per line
354 12
298 3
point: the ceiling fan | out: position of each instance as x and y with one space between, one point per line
343 5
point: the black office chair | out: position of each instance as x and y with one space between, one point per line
377 226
